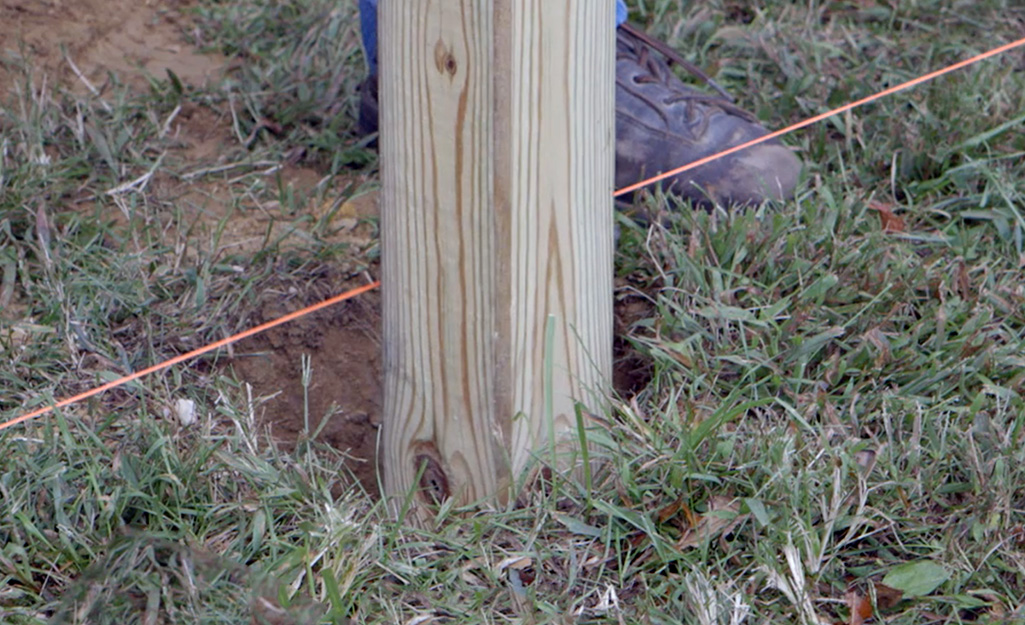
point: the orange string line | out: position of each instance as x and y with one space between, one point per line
359 291
196 352
818 118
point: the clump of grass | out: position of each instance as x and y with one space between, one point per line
117 516
102 271
66 272
300 63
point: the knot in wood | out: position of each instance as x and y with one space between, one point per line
434 487
444 60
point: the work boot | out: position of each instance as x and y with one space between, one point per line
662 124
366 123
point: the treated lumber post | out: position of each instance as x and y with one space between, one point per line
497 167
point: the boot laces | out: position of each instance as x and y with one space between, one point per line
658 72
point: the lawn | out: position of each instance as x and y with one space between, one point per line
820 407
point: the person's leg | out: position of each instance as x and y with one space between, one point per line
366 123
620 12
368 29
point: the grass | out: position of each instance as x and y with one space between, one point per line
835 406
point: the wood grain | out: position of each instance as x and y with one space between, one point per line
496 165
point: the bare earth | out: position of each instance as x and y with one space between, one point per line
101 36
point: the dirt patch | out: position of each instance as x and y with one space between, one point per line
130 38
631 370
342 398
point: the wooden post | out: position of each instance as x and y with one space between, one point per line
497 143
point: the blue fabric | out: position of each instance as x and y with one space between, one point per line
368 28
620 12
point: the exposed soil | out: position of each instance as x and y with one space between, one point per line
133 39
344 386
128 38
631 372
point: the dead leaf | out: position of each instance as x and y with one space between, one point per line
963 280
861 607
1017 534
723 515
515 562
866 459
671 510
43 232
693 246
997 611
878 339
887 597
891 222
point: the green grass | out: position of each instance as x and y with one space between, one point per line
833 408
